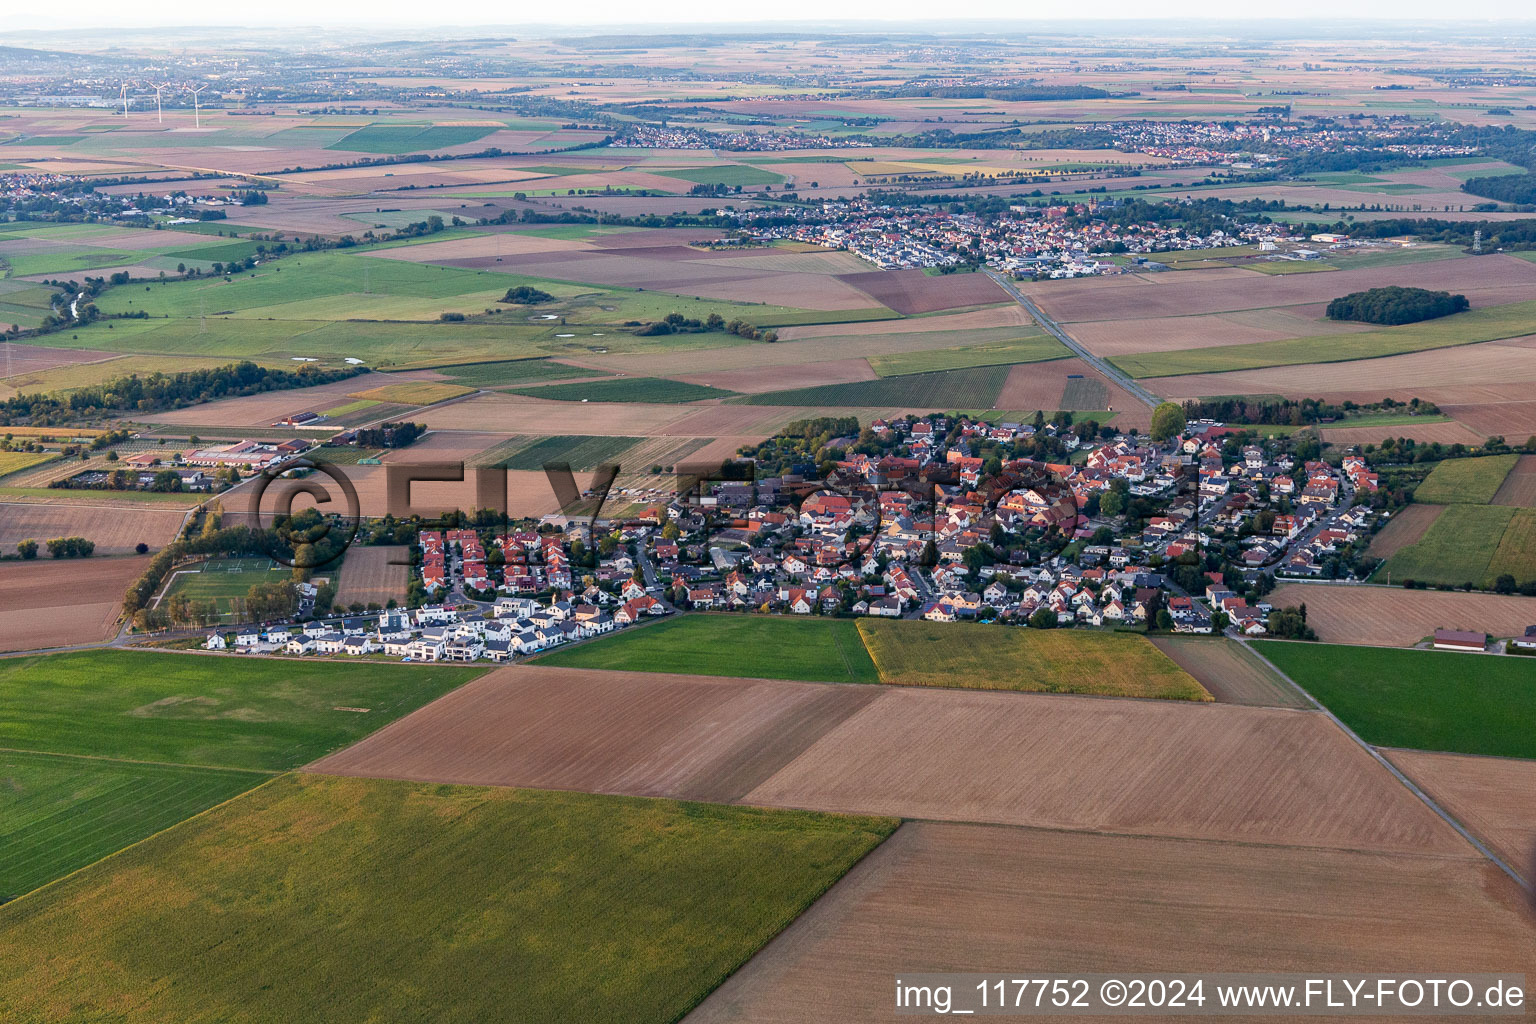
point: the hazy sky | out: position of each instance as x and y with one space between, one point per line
93 14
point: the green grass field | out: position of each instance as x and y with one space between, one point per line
226 581
1457 548
59 813
341 303
762 646
1516 553
1032 349
1426 700
511 372
1465 481
483 904
261 714
1487 324
990 657
15 462
391 139
973 388
656 390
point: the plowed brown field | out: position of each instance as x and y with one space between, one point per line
373 575
1404 529
116 529
58 603
692 737
1125 766
1519 488
1393 617
1230 672
940 897
912 291
1490 796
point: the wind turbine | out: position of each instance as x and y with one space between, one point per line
197 113
158 113
123 95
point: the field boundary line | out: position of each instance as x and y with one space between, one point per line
1413 787
117 853
130 760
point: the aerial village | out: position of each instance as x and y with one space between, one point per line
929 519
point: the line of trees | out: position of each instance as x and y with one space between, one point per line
1295 412
132 393
1507 188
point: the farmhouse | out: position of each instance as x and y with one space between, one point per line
1459 640
1526 642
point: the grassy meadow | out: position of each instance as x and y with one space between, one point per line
59 813
759 646
1424 700
259 713
1035 348
989 657
1465 481
470 901
1466 544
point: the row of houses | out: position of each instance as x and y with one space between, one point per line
516 625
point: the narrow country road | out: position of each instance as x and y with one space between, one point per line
1102 365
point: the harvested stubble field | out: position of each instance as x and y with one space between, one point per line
1144 767
515 414
1152 767
60 602
1405 529
1465 481
1012 315
115 529
1491 796
974 656
1230 672
1461 385
955 897
374 575
1446 432
1488 323
1519 487
1177 333
643 734
1425 700
1394 617
1486 281
429 880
